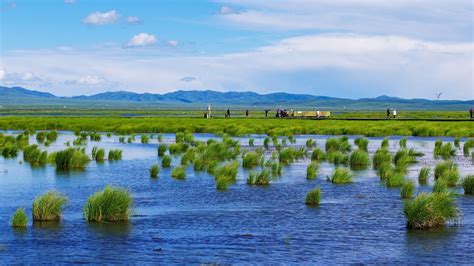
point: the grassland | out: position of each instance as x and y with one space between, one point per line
238 126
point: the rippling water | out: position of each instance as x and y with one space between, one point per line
191 222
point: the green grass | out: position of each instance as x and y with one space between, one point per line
166 161
440 186
381 156
144 139
408 189
337 144
266 142
252 159
447 171
113 204
395 180
362 143
70 158
313 197
179 172
424 175
468 185
337 157
9 150
430 210
251 142
98 154
189 156
178 148
359 159
403 143
457 143
384 144
19 218
33 155
154 170
226 175
341 176
444 151
94 136
318 155
162 148
261 178
48 207
468 145
310 143
312 171
385 171
41 136
115 155
274 127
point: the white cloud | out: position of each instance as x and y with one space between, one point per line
227 10
141 39
173 43
91 80
2 73
70 1
98 18
360 66
133 20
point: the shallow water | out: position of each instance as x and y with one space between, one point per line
191 222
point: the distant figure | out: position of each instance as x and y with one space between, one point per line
208 111
247 113
394 113
266 113
228 113
205 115
318 114
277 113
471 113
388 113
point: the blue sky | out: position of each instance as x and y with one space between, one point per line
341 48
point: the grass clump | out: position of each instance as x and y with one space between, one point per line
362 143
430 210
312 171
10 150
144 139
395 180
162 148
98 154
359 159
310 143
94 136
40 137
179 172
266 142
251 142
112 204
444 151
424 175
385 171
338 144
166 161
226 175
467 146
19 218
381 156
447 171
154 170
313 197
48 207
457 143
188 156
318 155
178 148
252 159
337 157
403 143
35 156
408 189
384 144
440 186
261 178
468 185
70 158
115 155
341 176
51 136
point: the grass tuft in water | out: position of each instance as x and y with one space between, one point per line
251 142
310 143
312 171
19 218
444 151
384 144
337 157
166 161
430 210
261 178
467 146
468 185
408 189
381 156
179 172
318 155
252 159
144 139
48 207
113 204
226 175
341 176
362 143
403 143
162 148
313 197
115 155
154 170
70 159
424 175
447 171
35 156
359 159
395 180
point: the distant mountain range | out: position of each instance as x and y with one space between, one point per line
21 97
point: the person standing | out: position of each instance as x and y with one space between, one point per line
266 113
228 113
471 112
388 113
394 113
247 113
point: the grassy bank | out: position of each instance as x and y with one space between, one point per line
240 126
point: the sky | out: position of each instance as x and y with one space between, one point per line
340 48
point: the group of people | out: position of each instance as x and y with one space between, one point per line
391 112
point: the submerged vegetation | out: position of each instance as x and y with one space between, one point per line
48 207
112 204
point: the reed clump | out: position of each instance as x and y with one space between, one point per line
408 189
252 159
115 155
113 204
313 197
189 156
468 185
154 170
94 136
447 171
359 159
179 172
70 158
310 143
468 145
19 218
424 175
226 175
403 143
337 157
396 179
341 176
48 207
144 139
166 161
430 210
381 156
362 143
312 171
33 155
444 151
162 148
318 155
261 178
